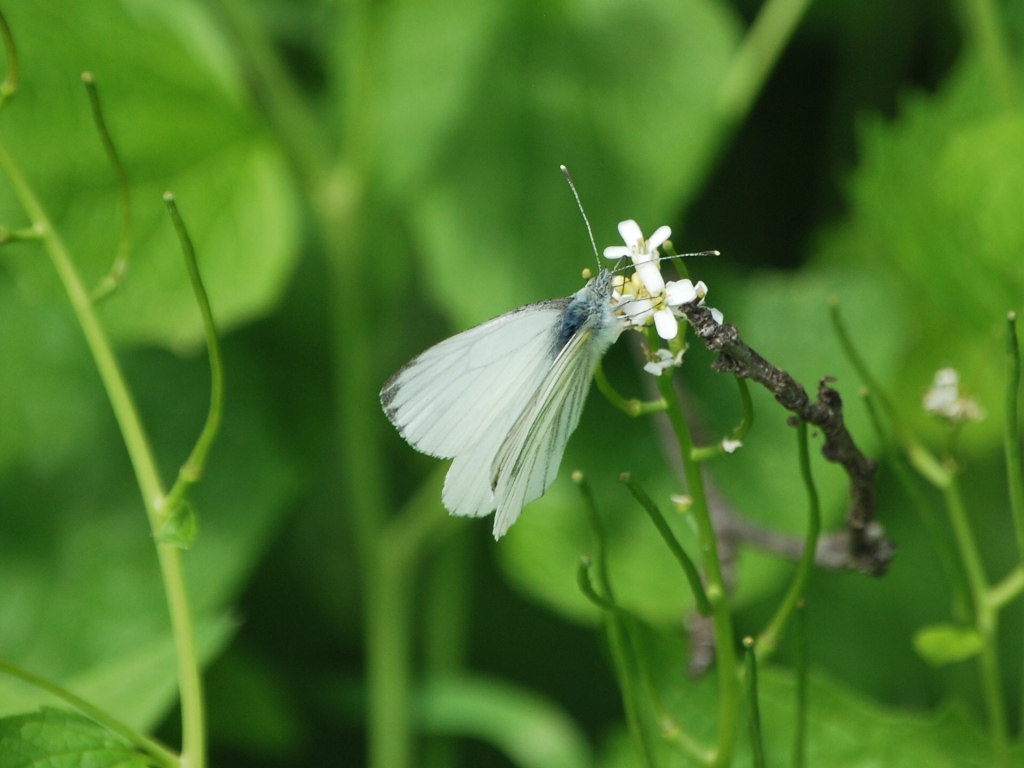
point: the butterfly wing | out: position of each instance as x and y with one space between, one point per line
503 398
475 384
528 459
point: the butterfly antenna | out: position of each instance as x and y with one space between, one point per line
593 244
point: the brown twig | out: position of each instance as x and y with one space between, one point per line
864 544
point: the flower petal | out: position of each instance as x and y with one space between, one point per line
680 292
630 232
666 324
636 310
661 234
617 252
651 277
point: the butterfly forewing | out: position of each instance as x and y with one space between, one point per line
445 400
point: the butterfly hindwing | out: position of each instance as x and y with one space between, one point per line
528 459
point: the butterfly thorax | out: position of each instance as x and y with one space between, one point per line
590 310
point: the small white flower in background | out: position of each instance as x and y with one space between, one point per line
682 501
944 399
645 297
730 446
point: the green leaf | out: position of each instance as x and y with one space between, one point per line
60 739
174 106
50 399
942 644
530 730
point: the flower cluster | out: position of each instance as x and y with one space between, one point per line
644 297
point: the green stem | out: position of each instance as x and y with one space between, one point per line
631 407
619 642
1012 438
957 580
341 199
161 754
112 279
192 470
1011 419
985 619
739 434
800 665
142 459
753 708
986 31
730 694
756 56
1006 591
19 235
692 575
622 637
9 86
391 582
769 639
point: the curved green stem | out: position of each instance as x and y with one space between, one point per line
110 282
619 642
141 455
192 470
723 447
692 575
730 694
631 407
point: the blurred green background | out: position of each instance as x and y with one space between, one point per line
362 179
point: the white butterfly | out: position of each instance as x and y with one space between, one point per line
501 399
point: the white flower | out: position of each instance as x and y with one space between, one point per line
662 361
645 297
730 446
944 399
643 253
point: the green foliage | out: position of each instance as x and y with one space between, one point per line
361 180
844 728
935 216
